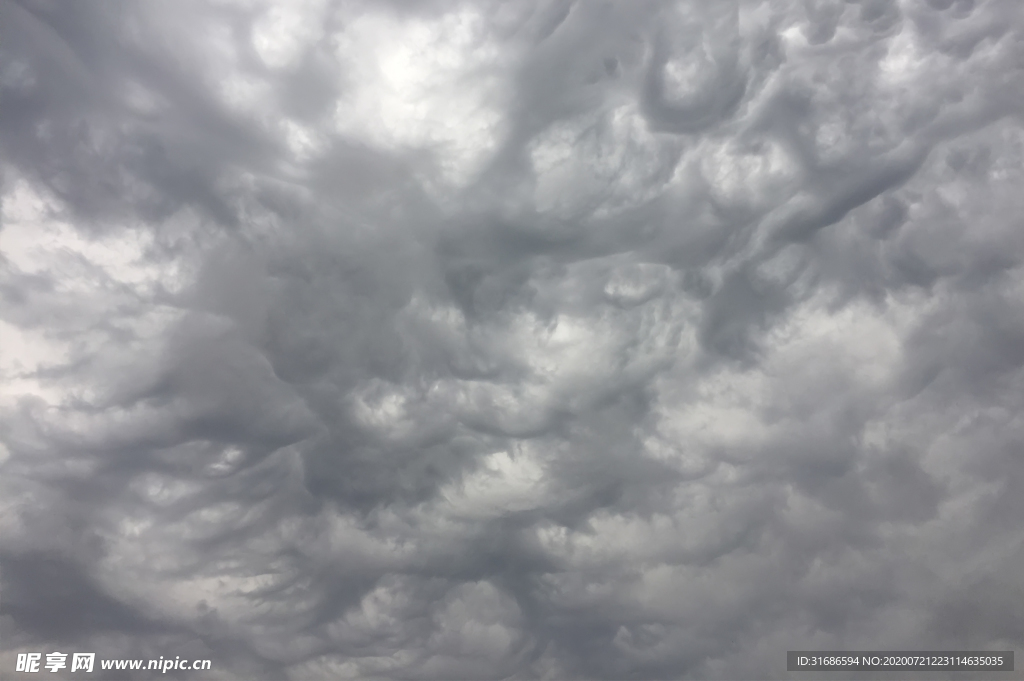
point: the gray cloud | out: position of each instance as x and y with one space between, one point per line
510 340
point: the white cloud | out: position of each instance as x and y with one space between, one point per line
421 84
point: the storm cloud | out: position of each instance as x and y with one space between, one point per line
529 340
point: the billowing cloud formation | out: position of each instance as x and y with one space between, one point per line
524 340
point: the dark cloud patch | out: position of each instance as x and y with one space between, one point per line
510 340
49 597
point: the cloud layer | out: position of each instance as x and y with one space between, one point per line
440 340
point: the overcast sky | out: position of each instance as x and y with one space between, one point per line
527 340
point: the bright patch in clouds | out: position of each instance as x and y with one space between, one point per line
421 84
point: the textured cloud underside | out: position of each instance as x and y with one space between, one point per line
511 339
